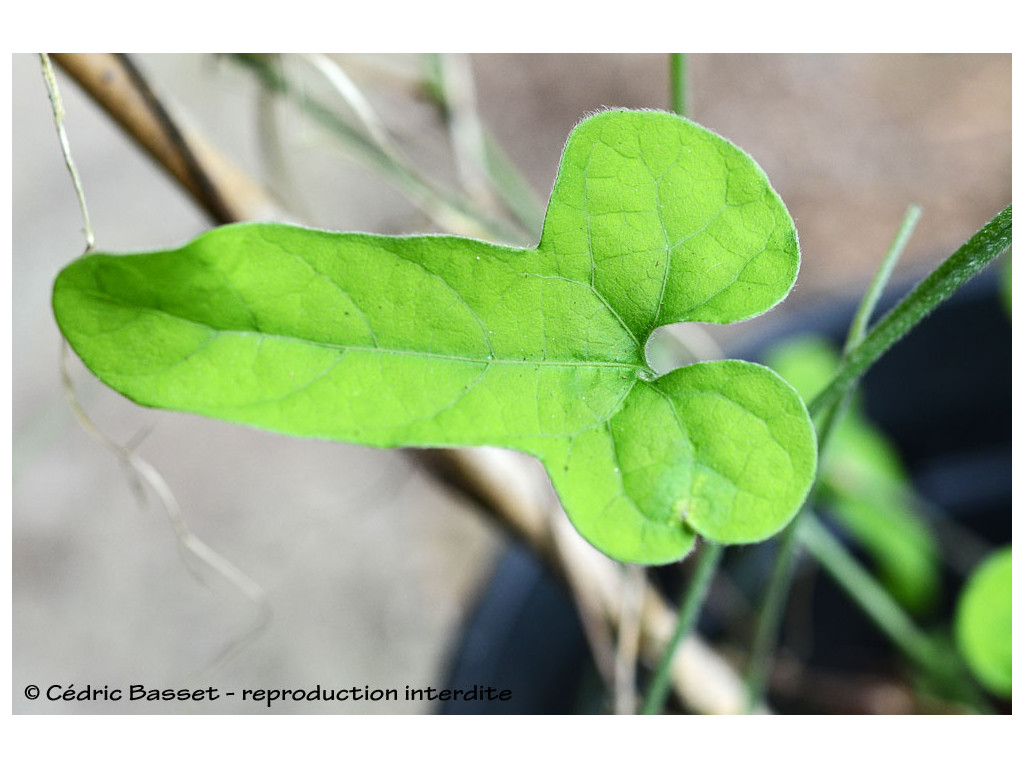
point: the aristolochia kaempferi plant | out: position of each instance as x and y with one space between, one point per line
448 341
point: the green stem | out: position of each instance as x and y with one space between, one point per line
867 593
769 618
990 241
689 609
677 72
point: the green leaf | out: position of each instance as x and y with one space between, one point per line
448 341
984 622
864 484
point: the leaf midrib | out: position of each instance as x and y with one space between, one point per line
640 370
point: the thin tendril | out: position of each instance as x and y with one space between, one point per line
142 474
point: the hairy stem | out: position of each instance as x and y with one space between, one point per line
973 256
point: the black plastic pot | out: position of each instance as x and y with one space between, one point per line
943 396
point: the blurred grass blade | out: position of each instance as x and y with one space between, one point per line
859 326
503 176
516 193
448 212
884 611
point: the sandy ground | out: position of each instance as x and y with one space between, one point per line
368 568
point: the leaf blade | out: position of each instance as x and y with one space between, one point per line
442 341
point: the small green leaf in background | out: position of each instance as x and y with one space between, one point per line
448 341
864 485
984 622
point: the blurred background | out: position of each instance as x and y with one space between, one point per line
370 570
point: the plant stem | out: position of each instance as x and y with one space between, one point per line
140 472
863 588
990 241
677 72
628 647
178 151
688 612
211 195
769 618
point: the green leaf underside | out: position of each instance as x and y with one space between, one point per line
447 341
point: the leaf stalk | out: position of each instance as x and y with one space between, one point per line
689 609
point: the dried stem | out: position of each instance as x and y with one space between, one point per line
226 193
58 118
633 580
